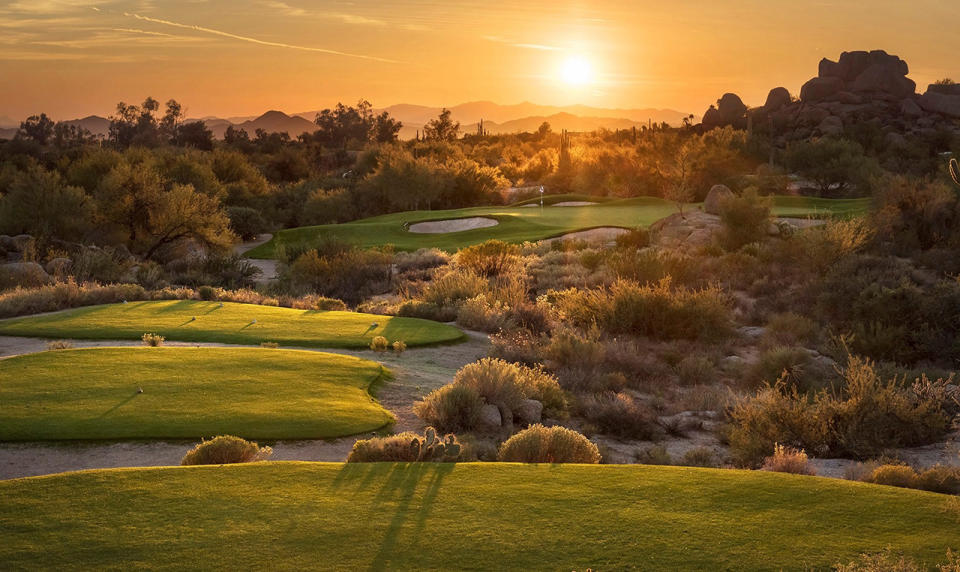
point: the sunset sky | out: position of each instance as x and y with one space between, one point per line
72 58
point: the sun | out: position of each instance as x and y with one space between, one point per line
576 70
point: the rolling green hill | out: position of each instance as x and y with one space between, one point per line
187 393
286 516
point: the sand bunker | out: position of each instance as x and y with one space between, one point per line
455 225
602 234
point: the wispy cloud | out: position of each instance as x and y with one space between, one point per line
258 41
344 17
522 45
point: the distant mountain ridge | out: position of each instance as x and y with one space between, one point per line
496 119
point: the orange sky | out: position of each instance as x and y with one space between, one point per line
71 57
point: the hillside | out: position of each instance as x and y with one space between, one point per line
467 516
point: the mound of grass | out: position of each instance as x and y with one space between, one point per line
187 393
518 224
248 324
377 516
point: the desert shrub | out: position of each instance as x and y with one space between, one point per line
894 475
451 408
229 271
700 457
519 346
106 265
422 259
453 288
819 248
491 381
884 561
788 460
427 311
269 345
379 344
490 258
696 370
649 265
744 219
59 345
654 310
635 238
399 347
940 479
568 349
349 275
655 455
226 449
152 340
792 365
539 444
485 315
407 447
789 329
324 304
620 415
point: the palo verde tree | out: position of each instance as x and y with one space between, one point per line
442 128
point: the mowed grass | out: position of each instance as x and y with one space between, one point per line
470 516
188 393
247 324
519 224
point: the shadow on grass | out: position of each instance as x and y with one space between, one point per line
118 406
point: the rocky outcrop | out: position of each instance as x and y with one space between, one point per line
860 87
730 110
490 417
529 411
692 231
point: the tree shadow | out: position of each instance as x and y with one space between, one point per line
117 406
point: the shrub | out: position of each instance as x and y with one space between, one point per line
350 274
655 455
269 345
450 408
620 415
246 222
480 313
489 258
453 288
789 329
324 304
226 449
653 310
895 476
788 364
696 370
940 479
699 457
399 347
744 219
427 311
59 345
635 238
379 344
152 340
884 561
407 447
539 444
788 460
423 259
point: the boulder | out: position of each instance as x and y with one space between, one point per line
831 125
944 89
529 411
693 231
884 78
717 193
58 265
26 274
910 108
712 118
7 242
936 102
777 99
852 64
732 109
820 88
829 68
490 417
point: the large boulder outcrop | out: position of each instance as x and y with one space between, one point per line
692 231
820 88
944 99
777 99
875 72
730 110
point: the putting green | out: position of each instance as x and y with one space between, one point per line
519 223
188 393
296 516
248 324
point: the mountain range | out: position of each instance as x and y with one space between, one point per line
496 118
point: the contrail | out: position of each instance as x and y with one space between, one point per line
256 41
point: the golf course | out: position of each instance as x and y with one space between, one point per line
187 393
229 323
427 516
526 221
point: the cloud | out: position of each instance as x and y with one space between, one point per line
257 41
522 45
346 18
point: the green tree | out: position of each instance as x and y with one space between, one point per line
37 128
442 128
40 203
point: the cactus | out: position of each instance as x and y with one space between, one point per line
430 448
415 448
955 171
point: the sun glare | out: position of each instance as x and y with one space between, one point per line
576 70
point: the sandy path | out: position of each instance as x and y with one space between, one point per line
417 372
267 267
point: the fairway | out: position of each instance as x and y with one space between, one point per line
188 393
525 223
248 324
468 516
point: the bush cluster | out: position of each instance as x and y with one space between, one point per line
539 444
225 449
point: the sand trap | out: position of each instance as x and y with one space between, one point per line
455 225
602 234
